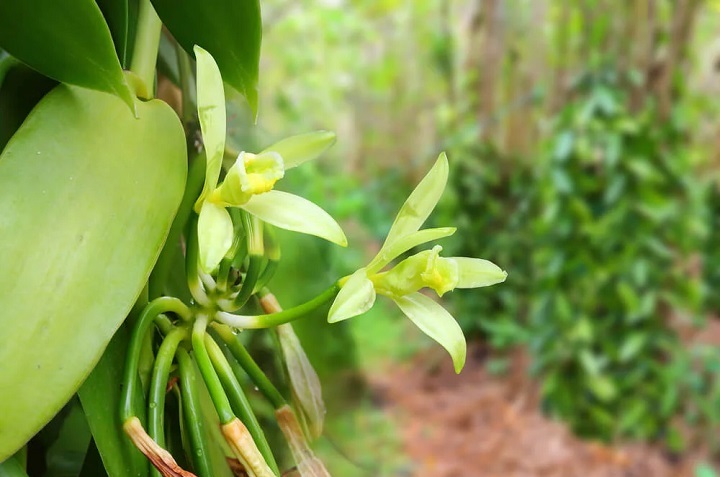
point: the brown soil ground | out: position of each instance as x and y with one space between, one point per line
481 425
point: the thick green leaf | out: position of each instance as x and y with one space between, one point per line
231 30
100 398
67 41
87 196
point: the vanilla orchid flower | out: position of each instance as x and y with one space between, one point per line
249 182
426 269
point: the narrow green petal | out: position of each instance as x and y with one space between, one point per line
437 323
355 298
476 272
211 112
391 251
291 212
421 202
302 148
215 235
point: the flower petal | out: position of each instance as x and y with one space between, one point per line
291 212
304 381
215 235
355 298
421 202
211 112
437 323
393 250
302 148
476 272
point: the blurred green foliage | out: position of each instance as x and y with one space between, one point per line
598 235
618 220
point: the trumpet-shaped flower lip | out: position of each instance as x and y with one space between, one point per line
251 174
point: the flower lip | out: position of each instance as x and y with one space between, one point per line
426 269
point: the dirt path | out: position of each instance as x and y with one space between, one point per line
480 425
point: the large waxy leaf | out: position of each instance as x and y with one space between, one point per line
230 30
67 41
87 196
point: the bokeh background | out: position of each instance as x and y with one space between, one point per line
583 138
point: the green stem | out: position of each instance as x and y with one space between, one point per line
193 186
274 319
248 284
214 386
186 85
147 42
192 414
151 311
227 261
239 401
272 253
158 384
267 274
192 269
248 364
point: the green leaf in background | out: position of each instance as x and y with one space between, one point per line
231 30
67 41
20 90
66 455
116 15
93 464
87 196
11 468
704 470
100 398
